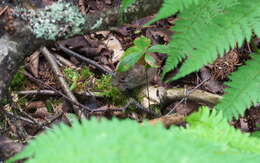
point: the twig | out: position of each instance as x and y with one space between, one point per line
65 61
37 92
52 61
11 115
131 101
89 61
17 107
142 108
52 120
40 83
54 93
186 93
3 10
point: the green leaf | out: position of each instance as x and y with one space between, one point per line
142 42
208 134
256 134
171 7
129 61
150 61
133 54
244 89
125 4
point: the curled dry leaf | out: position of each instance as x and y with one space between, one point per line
114 45
34 63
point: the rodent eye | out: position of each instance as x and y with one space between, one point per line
122 79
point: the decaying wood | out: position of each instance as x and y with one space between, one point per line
161 95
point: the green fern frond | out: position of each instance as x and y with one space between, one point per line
218 35
126 141
190 32
214 122
244 89
170 7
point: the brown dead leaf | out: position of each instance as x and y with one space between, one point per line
167 121
34 63
211 85
114 45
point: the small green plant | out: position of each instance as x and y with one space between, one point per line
205 30
208 135
125 4
106 89
18 80
73 77
85 73
133 54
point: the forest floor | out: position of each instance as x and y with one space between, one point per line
38 99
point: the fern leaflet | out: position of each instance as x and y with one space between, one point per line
170 7
189 30
125 141
209 125
244 89
221 34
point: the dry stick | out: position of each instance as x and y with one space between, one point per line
37 92
130 102
3 10
65 62
40 83
142 108
33 122
53 93
187 94
89 61
52 120
27 118
55 68
16 106
11 115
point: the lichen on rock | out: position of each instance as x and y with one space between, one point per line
60 19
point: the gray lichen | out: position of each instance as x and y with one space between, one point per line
60 19
98 24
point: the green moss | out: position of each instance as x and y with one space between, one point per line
72 76
85 73
52 102
23 102
105 88
18 81
78 79
156 108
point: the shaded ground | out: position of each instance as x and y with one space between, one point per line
38 99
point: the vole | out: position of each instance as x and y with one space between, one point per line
135 77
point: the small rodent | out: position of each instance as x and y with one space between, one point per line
135 77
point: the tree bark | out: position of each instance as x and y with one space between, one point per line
15 47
